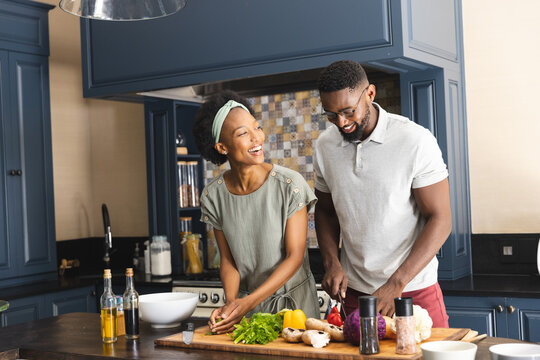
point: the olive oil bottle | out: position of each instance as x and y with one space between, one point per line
131 307
108 310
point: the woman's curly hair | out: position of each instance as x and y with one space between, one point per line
202 128
341 75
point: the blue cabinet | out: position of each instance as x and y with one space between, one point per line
517 318
76 300
27 239
52 304
23 310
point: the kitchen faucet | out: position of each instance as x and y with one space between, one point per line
108 238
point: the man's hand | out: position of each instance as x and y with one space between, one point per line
230 314
335 280
386 295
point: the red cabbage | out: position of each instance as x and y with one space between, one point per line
351 327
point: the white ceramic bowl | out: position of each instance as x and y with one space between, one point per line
515 352
448 350
167 309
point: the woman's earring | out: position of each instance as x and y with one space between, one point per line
224 153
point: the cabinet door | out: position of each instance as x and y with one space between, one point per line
477 313
23 310
31 199
77 300
523 319
7 267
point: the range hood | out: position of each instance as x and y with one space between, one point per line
253 86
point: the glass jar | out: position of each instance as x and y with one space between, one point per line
369 340
185 226
181 148
192 254
183 193
120 325
160 256
405 326
193 183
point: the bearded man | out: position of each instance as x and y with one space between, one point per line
382 186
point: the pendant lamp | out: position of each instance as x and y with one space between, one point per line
122 10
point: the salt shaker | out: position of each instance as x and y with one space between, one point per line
405 340
369 340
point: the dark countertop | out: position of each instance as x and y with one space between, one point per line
493 285
78 336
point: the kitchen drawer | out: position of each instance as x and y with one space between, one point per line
51 304
23 310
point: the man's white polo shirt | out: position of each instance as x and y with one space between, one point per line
371 184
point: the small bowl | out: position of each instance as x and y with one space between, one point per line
448 350
166 310
515 351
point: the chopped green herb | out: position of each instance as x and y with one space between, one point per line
261 328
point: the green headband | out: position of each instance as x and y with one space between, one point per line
221 115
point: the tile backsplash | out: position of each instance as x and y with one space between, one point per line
292 122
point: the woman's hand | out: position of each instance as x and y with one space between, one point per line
230 314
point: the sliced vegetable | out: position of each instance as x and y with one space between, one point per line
261 328
295 319
334 318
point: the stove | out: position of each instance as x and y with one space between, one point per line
212 295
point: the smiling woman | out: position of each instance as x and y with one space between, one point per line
259 214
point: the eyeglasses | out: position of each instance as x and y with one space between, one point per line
348 113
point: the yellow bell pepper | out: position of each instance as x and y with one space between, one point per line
295 319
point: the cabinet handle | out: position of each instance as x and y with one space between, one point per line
12 172
499 308
510 309
19 172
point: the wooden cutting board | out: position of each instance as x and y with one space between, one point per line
279 347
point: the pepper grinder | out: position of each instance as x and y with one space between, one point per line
369 340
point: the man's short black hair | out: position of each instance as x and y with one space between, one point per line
341 75
202 128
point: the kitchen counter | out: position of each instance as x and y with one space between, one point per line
77 336
493 285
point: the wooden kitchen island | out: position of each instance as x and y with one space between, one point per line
77 336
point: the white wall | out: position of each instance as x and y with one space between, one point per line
98 147
503 92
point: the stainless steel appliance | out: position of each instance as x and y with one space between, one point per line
211 295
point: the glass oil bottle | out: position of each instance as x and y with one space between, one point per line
108 310
131 307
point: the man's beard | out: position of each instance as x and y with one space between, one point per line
358 130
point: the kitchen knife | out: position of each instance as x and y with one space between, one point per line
342 304
187 335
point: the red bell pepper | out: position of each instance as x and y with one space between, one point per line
334 318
